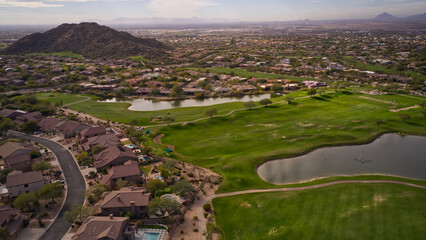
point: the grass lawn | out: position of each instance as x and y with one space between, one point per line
59 54
118 112
56 98
247 74
235 145
355 211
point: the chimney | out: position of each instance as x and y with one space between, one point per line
111 216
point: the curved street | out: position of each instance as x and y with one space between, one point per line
76 186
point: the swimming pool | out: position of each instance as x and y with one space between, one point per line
150 236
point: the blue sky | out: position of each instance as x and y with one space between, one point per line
59 11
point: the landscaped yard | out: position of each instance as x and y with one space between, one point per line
349 211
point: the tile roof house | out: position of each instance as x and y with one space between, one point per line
91 132
9 113
69 128
103 141
129 171
113 156
134 200
17 155
105 228
18 182
10 218
47 124
32 116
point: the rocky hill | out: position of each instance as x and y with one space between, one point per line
89 40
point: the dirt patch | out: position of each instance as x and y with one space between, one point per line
246 205
404 109
379 198
305 125
156 120
261 124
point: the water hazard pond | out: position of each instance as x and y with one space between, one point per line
390 154
149 105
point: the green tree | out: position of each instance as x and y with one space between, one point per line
4 233
6 124
210 112
26 201
96 149
265 102
249 104
155 186
122 183
78 213
169 120
312 91
404 117
163 206
51 191
288 99
276 87
133 122
28 127
41 166
423 104
182 187
83 158
176 91
35 154
95 193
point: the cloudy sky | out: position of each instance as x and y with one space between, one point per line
59 11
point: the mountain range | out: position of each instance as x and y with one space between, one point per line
89 40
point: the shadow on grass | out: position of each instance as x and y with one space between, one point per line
320 99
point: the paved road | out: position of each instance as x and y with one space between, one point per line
199 205
76 186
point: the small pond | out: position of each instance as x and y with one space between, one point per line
390 154
150 105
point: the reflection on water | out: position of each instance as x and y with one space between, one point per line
390 154
151 105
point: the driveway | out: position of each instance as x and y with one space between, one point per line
76 185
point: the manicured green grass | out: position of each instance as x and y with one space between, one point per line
355 211
247 74
402 100
59 54
119 112
235 145
56 98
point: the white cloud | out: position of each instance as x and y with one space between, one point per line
178 8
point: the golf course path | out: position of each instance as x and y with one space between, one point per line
80 101
157 140
202 219
404 109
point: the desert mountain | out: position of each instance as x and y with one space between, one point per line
89 40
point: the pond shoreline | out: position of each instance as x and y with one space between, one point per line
325 146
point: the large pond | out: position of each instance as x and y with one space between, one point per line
390 154
150 105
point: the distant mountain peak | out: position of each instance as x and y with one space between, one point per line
385 16
90 40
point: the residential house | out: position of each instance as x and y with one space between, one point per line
17 155
69 128
10 218
113 156
103 141
129 171
134 200
32 116
91 132
12 114
48 124
105 228
18 182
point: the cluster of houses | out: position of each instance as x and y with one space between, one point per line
120 163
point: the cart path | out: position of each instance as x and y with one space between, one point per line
199 204
157 140
404 109
80 101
